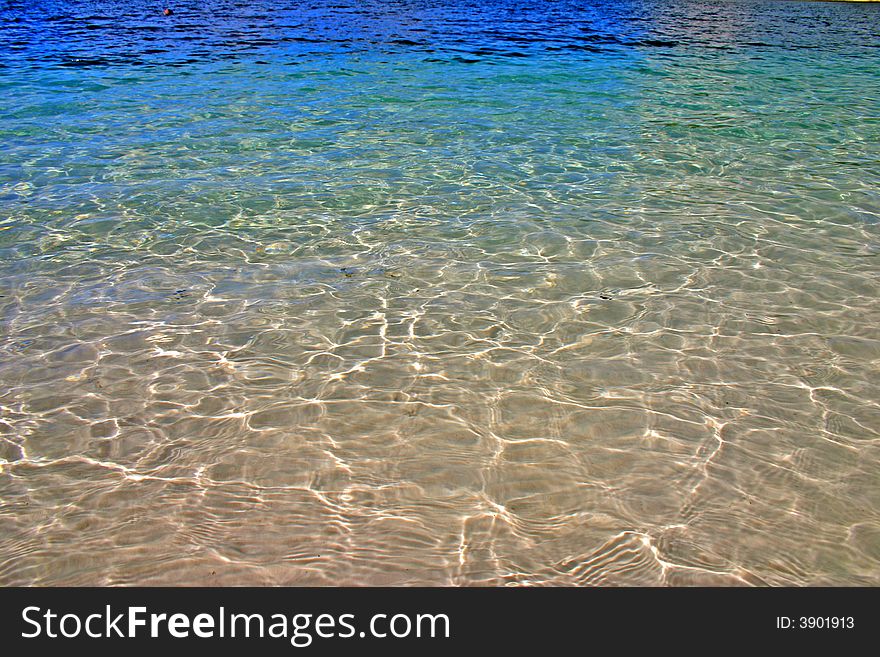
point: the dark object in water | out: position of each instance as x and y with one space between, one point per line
168 12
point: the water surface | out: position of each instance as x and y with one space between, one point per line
427 292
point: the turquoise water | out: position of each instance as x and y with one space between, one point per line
440 293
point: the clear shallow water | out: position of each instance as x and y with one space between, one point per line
440 293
